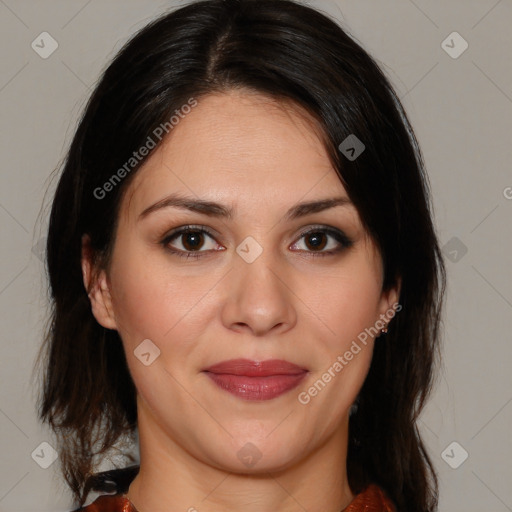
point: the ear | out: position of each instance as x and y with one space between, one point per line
97 287
389 302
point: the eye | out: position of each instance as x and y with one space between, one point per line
192 239
316 239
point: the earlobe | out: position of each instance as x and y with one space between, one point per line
97 288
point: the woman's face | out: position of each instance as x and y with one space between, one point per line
258 290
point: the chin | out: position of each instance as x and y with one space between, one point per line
256 455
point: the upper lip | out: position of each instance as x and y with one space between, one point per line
250 368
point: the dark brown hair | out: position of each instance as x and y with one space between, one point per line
290 53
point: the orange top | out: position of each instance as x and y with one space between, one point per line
372 499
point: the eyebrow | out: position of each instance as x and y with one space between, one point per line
213 209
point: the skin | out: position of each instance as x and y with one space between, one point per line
242 150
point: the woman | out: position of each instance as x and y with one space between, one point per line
245 273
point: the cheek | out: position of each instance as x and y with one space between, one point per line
148 308
147 296
349 305
152 303
138 305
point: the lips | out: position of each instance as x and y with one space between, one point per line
256 380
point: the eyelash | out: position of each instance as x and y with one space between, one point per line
339 236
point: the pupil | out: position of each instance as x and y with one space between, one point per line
318 238
190 236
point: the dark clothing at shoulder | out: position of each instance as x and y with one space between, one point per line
114 482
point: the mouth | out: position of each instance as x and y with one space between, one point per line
256 380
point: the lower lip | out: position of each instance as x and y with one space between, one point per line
256 388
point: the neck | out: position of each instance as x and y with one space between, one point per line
172 479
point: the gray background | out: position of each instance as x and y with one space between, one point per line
461 109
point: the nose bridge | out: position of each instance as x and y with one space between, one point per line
256 264
258 296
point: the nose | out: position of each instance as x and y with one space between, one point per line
259 296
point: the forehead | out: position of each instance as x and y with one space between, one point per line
238 148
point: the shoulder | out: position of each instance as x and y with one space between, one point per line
115 482
372 499
108 503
